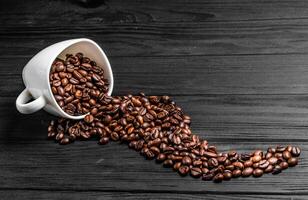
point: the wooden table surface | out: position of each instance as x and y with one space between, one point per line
239 68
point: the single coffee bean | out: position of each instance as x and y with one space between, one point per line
286 155
296 151
276 170
238 165
114 136
284 165
104 140
230 167
195 172
269 169
257 172
268 155
263 164
256 158
186 160
292 161
177 166
161 157
168 163
210 154
205 170
218 178
256 165
227 175
247 171
59 136
183 170
272 160
271 150
248 163
64 140
280 149
213 162
88 119
208 176
236 173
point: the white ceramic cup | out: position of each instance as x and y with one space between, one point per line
36 75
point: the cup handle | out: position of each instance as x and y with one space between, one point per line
31 107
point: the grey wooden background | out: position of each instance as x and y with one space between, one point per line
239 68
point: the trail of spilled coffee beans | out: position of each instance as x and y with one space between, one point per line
158 128
153 125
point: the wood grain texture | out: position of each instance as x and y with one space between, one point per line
239 68
161 39
42 195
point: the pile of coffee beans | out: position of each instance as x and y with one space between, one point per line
158 129
76 83
154 126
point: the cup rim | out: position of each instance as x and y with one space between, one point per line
75 41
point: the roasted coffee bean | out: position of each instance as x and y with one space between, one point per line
213 162
88 119
186 160
280 149
161 157
247 171
183 170
263 164
292 161
238 165
64 140
271 150
256 158
257 172
269 169
59 136
276 170
236 173
114 136
195 172
248 163
230 167
168 163
296 151
255 165
205 170
227 175
286 155
218 178
208 176
272 160
284 165
104 140
268 155
210 154
177 166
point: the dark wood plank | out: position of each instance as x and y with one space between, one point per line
262 74
42 195
175 39
16 13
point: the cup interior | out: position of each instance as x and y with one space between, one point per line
91 50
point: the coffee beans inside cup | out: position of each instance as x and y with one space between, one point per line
157 128
76 83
